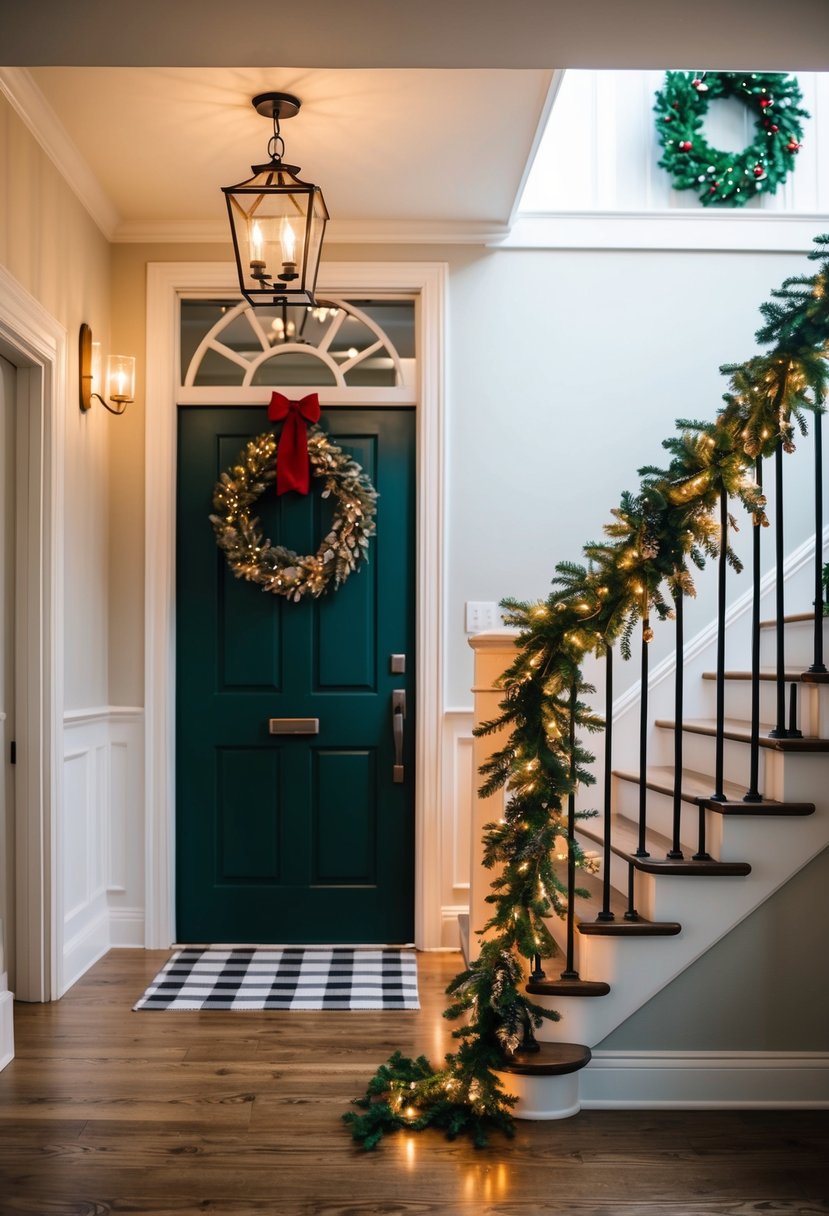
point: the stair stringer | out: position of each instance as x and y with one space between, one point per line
708 908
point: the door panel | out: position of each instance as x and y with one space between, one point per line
301 838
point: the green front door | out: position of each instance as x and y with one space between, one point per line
304 838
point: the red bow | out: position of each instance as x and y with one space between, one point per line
293 470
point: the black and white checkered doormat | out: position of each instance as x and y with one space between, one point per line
289 978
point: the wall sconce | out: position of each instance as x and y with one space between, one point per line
277 221
120 377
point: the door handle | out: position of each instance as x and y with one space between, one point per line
398 715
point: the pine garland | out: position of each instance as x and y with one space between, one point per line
654 537
729 177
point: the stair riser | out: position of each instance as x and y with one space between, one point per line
812 703
643 885
799 642
660 812
699 755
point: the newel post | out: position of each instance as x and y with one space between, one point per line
494 652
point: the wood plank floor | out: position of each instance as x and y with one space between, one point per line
108 1111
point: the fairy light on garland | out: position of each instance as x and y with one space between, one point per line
652 537
276 568
731 178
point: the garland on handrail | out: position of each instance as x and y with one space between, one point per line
654 536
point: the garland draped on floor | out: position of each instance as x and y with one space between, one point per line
654 538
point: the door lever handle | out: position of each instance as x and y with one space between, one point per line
398 715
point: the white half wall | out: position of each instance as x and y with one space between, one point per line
101 837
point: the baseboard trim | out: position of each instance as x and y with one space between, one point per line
85 948
698 1079
126 927
449 929
6 1029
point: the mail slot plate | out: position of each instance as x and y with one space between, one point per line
293 726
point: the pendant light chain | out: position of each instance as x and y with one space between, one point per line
276 144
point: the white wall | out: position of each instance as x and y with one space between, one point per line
568 368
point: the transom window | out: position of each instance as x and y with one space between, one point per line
341 344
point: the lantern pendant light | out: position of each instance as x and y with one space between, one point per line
277 221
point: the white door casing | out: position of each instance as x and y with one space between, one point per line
167 283
35 344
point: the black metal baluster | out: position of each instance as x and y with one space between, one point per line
605 913
631 913
641 851
818 667
753 794
675 851
791 730
702 853
779 730
719 762
569 972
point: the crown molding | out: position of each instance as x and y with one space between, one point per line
755 231
338 232
29 103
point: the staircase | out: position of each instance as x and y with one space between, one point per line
652 912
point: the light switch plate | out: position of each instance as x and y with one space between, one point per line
481 616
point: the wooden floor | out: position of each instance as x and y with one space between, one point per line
104 1110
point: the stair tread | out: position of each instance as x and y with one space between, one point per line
552 1059
792 619
640 927
791 674
557 986
625 842
697 788
740 732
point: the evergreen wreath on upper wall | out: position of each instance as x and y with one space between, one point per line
729 177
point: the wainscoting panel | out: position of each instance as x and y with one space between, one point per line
456 819
100 837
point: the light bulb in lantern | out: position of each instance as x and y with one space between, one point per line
257 246
287 238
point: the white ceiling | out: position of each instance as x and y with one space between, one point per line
418 119
401 147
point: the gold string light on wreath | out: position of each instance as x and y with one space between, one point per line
276 568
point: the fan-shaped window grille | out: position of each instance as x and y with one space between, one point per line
339 343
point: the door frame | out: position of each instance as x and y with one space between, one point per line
167 282
34 342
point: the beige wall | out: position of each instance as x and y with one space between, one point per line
55 251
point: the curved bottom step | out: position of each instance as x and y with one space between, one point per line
546 1082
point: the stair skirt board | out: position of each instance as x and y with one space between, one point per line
685 1080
